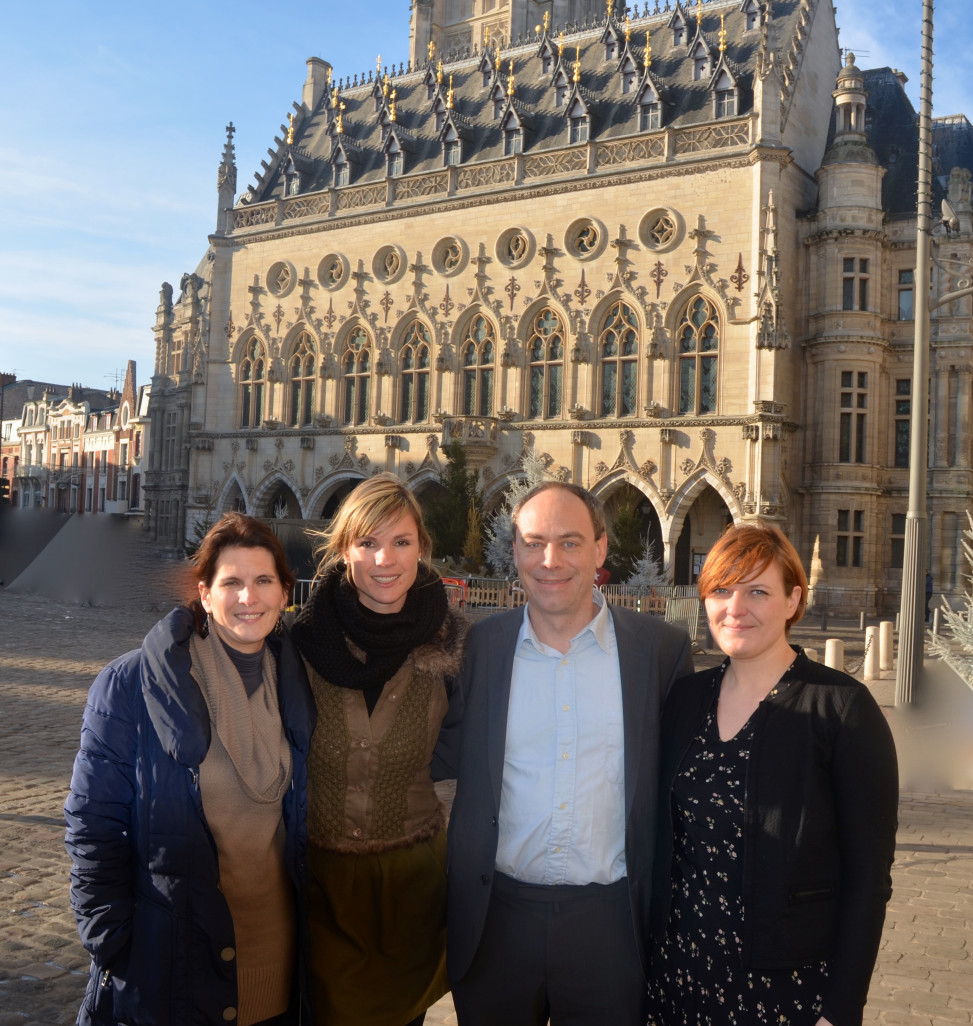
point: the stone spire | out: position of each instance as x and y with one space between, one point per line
226 181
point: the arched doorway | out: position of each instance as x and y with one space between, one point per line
706 519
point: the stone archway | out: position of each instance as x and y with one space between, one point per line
702 524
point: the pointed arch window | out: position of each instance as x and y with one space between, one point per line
253 381
414 361
629 76
479 359
394 163
724 96
699 341
545 375
578 128
650 114
618 346
560 89
356 373
301 375
513 139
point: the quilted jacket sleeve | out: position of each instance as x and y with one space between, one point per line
99 812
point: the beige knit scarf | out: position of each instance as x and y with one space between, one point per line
249 727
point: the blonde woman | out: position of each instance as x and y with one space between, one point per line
381 647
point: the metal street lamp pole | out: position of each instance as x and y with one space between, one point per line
911 614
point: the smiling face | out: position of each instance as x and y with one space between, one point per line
748 619
245 597
384 564
557 554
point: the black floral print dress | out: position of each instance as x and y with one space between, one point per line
697 978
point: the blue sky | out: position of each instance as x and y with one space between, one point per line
112 124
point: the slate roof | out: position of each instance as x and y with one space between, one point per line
613 114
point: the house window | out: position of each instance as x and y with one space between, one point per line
905 296
611 47
253 380
545 349
850 537
699 342
479 349
854 401
560 93
579 129
726 103
650 116
169 432
618 345
854 283
678 34
342 174
897 560
394 164
302 381
356 378
414 361
513 142
903 420
700 66
628 80
451 153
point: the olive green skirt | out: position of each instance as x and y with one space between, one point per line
377 934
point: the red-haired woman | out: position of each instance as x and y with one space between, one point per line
185 819
777 830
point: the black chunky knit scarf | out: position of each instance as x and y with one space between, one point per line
333 613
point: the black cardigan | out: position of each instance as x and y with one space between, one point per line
820 821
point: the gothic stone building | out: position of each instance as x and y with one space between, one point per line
669 249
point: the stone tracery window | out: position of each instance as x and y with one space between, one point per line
545 375
698 339
356 373
253 381
301 375
479 357
414 362
618 346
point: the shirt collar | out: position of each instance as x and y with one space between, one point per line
600 627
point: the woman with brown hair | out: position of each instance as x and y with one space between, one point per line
381 646
778 803
185 819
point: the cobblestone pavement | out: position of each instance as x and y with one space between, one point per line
49 653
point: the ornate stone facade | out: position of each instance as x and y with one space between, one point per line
623 242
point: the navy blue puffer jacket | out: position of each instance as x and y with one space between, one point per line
145 873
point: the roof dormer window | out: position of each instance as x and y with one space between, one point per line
451 152
751 15
578 128
393 163
726 103
513 141
650 115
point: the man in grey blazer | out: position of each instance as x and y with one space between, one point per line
552 736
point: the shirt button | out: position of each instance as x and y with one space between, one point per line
356 832
363 743
566 708
228 954
564 805
557 849
229 1014
565 755
392 698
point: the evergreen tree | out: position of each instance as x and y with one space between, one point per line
957 653
647 570
625 543
447 510
473 543
500 532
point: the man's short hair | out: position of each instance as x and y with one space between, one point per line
595 508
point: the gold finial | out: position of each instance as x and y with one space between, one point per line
392 110
385 84
611 9
290 130
537 30
378 65
439 71
496 58
577 65
560 43
722 33
334 97
628 28
699 12
341 117
430 48
329 74
648 50
449 95
510 80
547 20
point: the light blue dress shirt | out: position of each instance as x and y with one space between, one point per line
562 804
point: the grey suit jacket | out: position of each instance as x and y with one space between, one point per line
652 654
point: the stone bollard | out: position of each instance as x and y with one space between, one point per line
834 654
871 671
812 654
885 645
